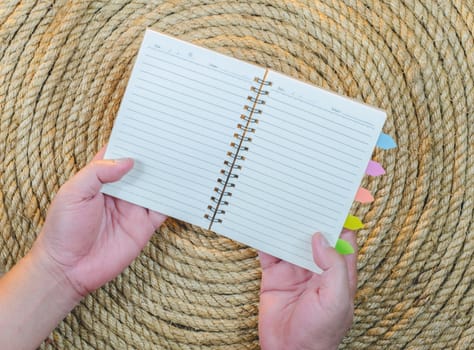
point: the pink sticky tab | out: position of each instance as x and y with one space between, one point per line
374 169
364 196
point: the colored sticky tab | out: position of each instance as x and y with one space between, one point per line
363 195
344 247
385 141
374 169
353 223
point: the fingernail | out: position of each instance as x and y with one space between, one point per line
121 160
322 240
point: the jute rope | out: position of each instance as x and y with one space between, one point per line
63 70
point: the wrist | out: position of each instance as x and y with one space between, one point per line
51 274
34 297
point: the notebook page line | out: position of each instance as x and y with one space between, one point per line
270 164
183 102
274 198
185 189
151 118
328 111
302 164
187 77
202 189
294 213
309 156
212 78
269 117
305 145
168 143
254 237
321 117
251 237
228 73
162 156
279 226
261 176
267 238
168 131
181 117
137 198
193 95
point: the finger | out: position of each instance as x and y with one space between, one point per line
156 218
334 287
267 260
100 155
351 260
88 181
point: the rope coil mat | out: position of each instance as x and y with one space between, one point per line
64 66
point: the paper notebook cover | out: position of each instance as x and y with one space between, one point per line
242 150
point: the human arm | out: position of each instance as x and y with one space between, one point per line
303 310
88 238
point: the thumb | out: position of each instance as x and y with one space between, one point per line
334 287
89 180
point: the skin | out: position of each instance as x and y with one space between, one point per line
304 310
89 238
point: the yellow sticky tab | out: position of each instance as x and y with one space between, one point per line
353 223
343 247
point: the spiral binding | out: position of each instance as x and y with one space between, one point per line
234 163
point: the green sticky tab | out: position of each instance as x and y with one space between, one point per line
344 247
353 223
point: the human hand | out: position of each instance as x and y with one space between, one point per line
91 237
300 309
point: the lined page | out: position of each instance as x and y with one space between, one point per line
303 168
176 120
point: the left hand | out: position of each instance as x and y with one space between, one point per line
91 237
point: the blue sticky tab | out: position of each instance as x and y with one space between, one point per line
386 142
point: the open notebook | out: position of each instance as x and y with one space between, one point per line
242 150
